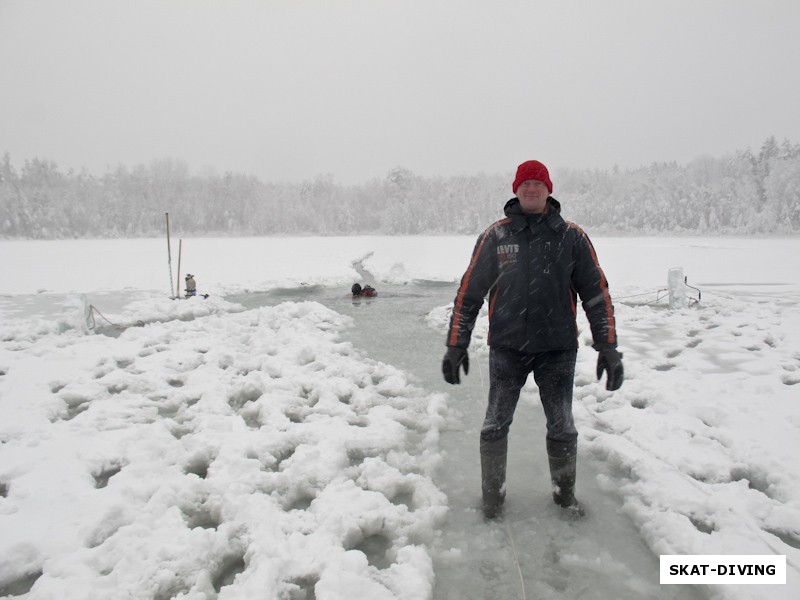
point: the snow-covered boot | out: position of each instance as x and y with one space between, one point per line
563 469
493 475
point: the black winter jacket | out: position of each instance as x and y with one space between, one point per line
533 267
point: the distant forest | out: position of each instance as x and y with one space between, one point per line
744 193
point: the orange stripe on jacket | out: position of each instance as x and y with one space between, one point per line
465 284
612 327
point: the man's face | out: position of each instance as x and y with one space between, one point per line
532 196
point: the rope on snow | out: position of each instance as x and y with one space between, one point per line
91 322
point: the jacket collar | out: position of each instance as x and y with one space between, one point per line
519 219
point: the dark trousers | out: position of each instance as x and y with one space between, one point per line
553 372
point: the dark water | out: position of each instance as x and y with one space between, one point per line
532 552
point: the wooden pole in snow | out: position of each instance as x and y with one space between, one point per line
169 258
178 282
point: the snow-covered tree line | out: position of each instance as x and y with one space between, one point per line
743 193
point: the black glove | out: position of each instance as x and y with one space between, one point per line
454 358
610 361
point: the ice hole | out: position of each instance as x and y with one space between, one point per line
702 525
167 411
123 362
375 548
790 539
248 392
357 455
104 531
101 478
282 455
170 590
301 503
790 379
294 414
301 588
202 517
199 467
116 388
21 585
251 415
229 569
755 480
74 409
178 430
403 498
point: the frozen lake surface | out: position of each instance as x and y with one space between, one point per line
281 440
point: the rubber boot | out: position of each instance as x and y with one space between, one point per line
493 475
563 467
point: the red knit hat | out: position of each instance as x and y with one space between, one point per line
532 169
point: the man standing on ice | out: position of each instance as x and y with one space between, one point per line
533 265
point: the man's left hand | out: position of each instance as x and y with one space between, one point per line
610 361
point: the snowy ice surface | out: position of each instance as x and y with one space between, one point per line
196 449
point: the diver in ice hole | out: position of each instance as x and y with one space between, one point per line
533 265
366 292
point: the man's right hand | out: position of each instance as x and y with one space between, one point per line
453 359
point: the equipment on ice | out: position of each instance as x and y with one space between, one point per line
677 285
677 288
191 286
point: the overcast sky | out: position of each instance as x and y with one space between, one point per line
290 89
